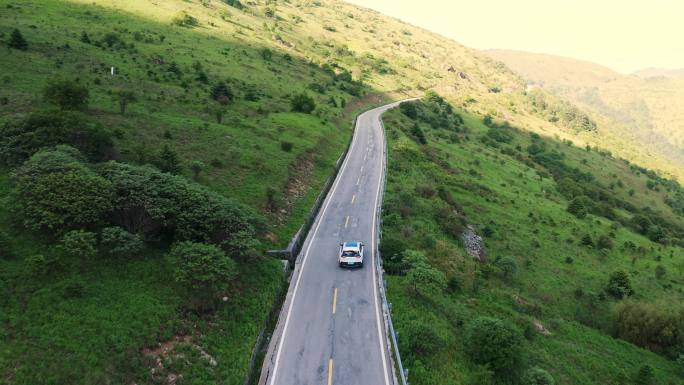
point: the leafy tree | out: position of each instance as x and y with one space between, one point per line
487 120
424 279
17 40
619 285
55 191
120 243
537 376
125 97
5 245
21 138
491 342
587 241
660 271
204 270
80 244
645 376
221 93
303 103
507 265
67 94
168 161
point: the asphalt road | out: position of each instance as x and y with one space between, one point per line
331 328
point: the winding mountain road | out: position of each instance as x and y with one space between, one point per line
331 329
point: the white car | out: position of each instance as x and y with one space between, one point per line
351 254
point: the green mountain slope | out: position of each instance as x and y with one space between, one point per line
645 109
546 266
215 86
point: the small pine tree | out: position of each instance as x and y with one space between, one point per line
645 376
17 41
168 161
85 38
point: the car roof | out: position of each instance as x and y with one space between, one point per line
352 244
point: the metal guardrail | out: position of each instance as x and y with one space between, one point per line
386 306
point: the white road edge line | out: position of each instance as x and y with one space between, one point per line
374 248
305 258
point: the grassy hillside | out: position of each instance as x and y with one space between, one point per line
644 108
545 272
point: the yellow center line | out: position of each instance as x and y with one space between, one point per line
353 198
330 369
346 222
335 301
361 168
358 181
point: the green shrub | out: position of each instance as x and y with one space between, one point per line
303 103
286 146
604 242
79 244
506 265
203 270
537 376
619 285
73 288
221 93
650 326
418 134
183 19
17 41
392 251
5 245
409 109
152 203
579 207
423 339
37 265
197 166
56 192
67 94
21 138
491 342
118 242
423 279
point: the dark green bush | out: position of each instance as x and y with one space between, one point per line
303 103
409 109
491 342
56 192
22 138
118 242
423 339
650 326
537 376
17 41
79 244
205 271
67 94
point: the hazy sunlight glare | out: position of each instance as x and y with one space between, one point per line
623 35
